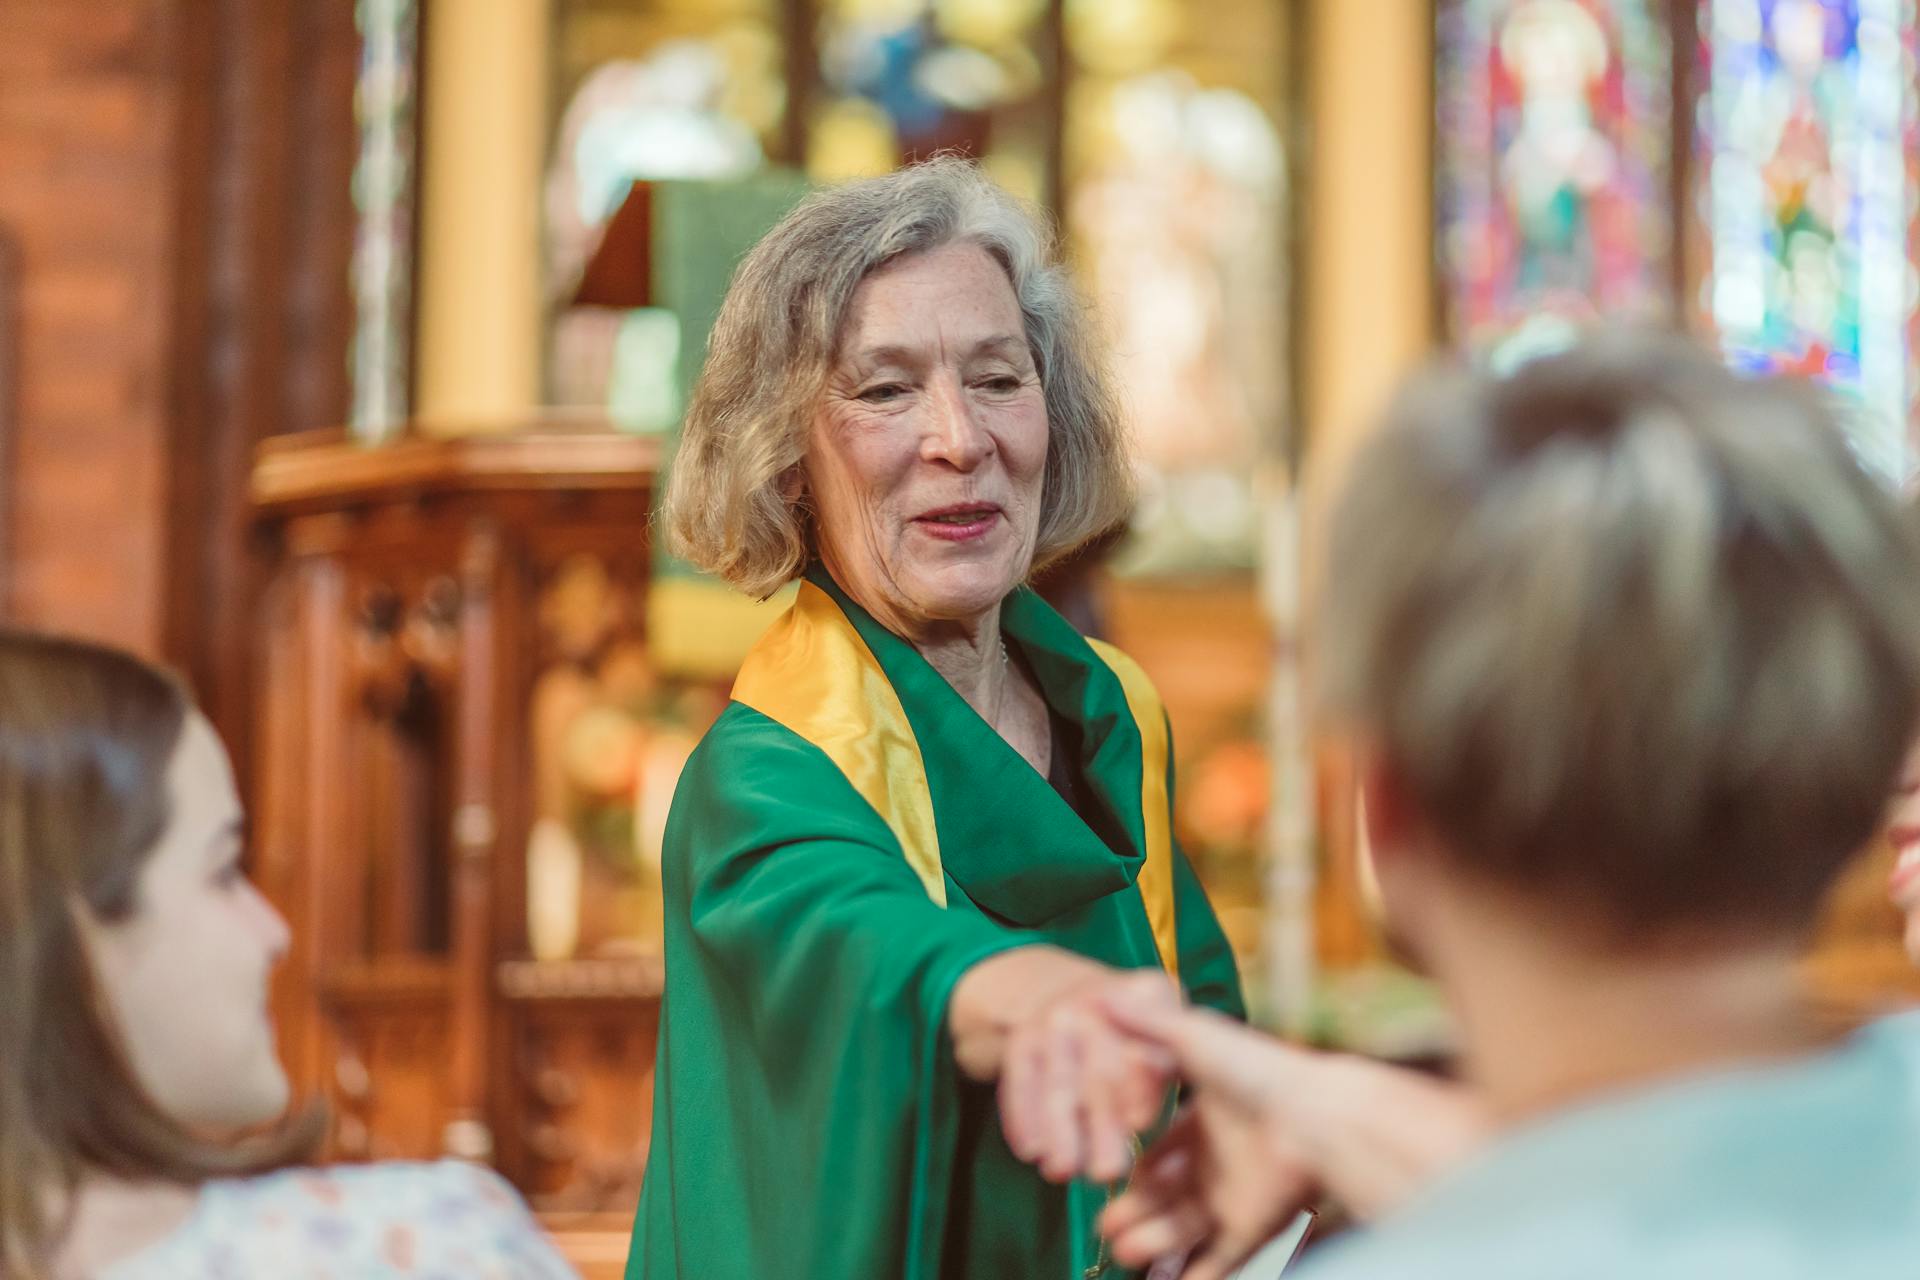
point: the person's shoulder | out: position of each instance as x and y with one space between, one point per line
394 1219
1897 1033
1488 1241
744 751
742 730
380 1186
1659 1242
745 741
1373 1254
753 772
1768 1173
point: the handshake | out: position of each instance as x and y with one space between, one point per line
1086 1057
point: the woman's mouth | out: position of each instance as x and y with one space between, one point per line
959 523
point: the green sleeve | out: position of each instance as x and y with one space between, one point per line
804 1040
1207 968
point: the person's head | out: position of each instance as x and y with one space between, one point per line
902 384
134 954
1629 642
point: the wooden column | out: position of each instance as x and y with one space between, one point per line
9 406
262 315
1367 318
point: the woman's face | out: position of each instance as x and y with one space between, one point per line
184 978
925 459
1903 829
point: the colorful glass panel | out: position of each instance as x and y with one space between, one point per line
676 89
1807 187
902 79
383 184
1554 164
1175 209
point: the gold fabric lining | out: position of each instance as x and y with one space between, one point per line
1156 809
812 673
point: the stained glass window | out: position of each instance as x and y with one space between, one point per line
383 185
901 79
677 89
1175 209
1554 164
1807 181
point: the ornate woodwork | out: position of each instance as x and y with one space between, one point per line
579 1056
416 598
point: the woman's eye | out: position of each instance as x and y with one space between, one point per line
883 392
1004 383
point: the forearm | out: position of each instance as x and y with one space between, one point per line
1375 1134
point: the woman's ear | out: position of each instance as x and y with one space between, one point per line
1387 809
793 485
1395 880
798 495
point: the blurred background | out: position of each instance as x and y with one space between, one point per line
342 346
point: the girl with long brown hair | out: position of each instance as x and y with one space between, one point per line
144 1125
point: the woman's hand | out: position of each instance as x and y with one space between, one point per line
1206 1195
1268 1126
1074 1088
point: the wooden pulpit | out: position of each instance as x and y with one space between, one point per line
441 622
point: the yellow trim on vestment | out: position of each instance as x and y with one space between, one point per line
812 673
1156 807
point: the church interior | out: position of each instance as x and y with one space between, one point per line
343 348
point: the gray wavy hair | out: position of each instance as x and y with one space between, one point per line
731 507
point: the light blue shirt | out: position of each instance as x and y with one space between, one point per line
1807 1171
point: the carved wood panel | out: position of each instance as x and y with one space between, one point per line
400 642
387 1084
578 1109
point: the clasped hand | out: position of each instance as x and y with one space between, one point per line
1074 1087
1086 1057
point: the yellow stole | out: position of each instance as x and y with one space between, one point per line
813 674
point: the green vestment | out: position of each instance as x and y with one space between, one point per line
809 1121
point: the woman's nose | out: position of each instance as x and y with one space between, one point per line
953 436
273 926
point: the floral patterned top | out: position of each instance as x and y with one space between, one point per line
446 1221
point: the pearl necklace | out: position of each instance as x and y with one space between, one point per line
1006 676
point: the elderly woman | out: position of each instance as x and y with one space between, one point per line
930 835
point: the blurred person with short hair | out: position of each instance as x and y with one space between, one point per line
1631 651
144 1132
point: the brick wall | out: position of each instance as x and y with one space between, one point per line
175 188
88 192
